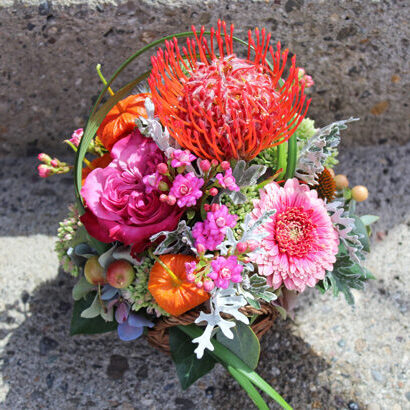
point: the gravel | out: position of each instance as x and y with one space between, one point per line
331 356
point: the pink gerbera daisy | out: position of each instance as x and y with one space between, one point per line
301 244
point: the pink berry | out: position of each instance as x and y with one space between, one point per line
43 157
213 191
214 207
44 171
252 245
200 248
208 285
162 168
225 165
190 277
205 165
241 247
171 200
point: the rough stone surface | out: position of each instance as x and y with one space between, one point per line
356 51
42 367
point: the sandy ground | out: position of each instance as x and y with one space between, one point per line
331 356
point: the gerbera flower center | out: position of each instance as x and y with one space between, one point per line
295 232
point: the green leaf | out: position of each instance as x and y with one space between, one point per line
80 325
248 387
93 310
81 288
369 219
230 360
189 368
244 344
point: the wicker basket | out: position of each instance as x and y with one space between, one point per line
158 336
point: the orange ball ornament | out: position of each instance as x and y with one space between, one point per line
170 288
360 193
341 182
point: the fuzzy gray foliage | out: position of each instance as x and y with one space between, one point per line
318 149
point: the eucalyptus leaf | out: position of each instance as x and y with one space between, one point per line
82 288
80 325
244 344
188 367
369 219
93 310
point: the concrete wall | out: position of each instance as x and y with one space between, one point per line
355 50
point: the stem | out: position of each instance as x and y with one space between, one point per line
174 277
292 155
248 387
282 159
71 145
227 358
270 179
98 68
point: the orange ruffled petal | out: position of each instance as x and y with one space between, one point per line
120 121
174 295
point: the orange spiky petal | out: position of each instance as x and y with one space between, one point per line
223 107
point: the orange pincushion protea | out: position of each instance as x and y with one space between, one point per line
170 288
223 107
120 121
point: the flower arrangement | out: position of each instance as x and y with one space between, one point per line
209 202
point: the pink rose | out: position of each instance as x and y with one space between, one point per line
118 206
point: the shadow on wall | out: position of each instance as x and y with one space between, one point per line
43 367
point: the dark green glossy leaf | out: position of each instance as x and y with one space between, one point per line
80 325
244 344
189 368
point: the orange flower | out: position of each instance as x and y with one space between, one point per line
220 106
169 286
100 162
120 121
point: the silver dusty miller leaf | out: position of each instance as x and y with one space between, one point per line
317 149
222 301
178 241
344 226
152 128
243 177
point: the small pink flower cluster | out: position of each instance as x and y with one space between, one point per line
226 270
222 271
51 166
227 181
186 189
181 158
210 233
76 137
